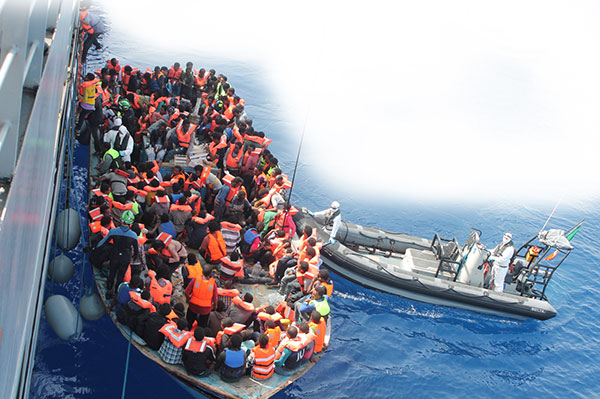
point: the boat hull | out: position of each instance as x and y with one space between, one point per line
388 278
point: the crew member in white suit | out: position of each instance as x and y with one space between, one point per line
501 256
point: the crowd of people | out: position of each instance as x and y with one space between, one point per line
176 241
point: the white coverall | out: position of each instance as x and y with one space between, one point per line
500 267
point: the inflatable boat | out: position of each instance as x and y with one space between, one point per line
441 272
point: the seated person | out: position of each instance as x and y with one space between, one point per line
197 355
319 328
318 302
155 321
242 310
290 353
231 363
176 336
262 358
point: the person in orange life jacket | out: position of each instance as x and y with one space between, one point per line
180 214
242 310
198 229
176 336
294 280
283 220
123 292
191 269
160 287
123 203
290 353
152 324
99 231
231 362
216 317
93 27
202 295
287 262
225 196
175 145
213 246
318 326
307 333
173 85
197 355
123 241
233 158
178 312
262 358
99 255
161 204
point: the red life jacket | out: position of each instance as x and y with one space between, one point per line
181 208
165 238
95 215
110 66
196 346
137 298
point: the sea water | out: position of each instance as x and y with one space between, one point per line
383 346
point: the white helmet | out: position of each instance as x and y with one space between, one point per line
335 205
118 122
508 235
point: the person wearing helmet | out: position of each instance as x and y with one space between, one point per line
501 256
332 219
124 241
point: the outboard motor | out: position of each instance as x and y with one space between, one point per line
473 254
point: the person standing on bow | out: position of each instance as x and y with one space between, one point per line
501 256
332 220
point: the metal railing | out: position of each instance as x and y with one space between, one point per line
26 223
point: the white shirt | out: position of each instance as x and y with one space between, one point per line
111 136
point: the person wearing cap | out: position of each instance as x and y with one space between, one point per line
332 219
124 240
501 256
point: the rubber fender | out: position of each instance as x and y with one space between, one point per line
91 306
61 269
63 318
68 229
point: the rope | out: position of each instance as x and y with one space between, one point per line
126 365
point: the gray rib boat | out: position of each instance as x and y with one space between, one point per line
441 272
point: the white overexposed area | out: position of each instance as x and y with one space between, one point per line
420 100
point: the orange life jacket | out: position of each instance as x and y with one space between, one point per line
274 335
264 316
194 271
285 310
233 161
196 346
87 28
137 298
95 214
123 207
181 208
161 289
174 75
202 292
185 137
319 330
236 300
96 227
177 337
235 328
216 246
264 359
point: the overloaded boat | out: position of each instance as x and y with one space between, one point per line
442 272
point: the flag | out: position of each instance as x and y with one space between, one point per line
570 236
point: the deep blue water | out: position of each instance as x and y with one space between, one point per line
383 345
